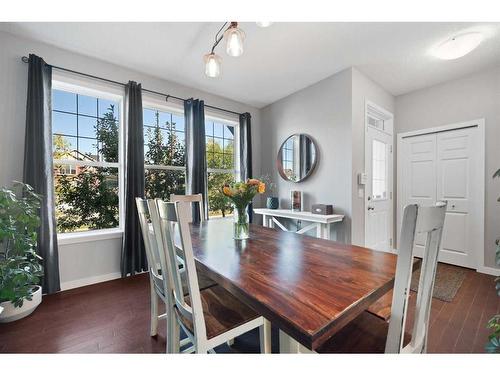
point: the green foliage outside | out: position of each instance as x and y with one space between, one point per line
89 198
493 345
20 267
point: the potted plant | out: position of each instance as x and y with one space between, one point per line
20 267
272 201
493 345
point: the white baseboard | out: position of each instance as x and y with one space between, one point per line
66 285
489 270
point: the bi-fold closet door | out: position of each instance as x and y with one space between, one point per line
447 165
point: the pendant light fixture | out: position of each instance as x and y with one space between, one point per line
234 47
234 40
213 65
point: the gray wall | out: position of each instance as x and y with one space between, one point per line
94 260
363 89
323 111
472 97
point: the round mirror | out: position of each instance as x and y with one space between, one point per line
297 157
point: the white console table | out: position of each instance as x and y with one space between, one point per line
322 223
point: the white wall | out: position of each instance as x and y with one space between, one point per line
472 97
322 111
94 260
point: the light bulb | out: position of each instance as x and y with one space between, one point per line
212 65
458 46
234 40
264 24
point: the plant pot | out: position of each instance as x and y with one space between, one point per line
11 313
272 203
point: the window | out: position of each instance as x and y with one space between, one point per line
164 153
379 170
221 165
85 136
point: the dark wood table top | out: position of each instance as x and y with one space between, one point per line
309 288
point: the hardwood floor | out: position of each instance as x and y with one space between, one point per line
113 317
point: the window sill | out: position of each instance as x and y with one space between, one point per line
90 236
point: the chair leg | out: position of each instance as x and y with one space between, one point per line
265 337
173 335
154 313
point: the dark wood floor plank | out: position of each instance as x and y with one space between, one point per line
466 337
491 308
459 317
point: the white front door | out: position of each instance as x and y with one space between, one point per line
378 190
447 166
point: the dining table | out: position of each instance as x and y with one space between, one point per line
309 288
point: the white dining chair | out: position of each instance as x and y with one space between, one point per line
370 334
189 202
157 266
209 317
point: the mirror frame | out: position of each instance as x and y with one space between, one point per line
279 163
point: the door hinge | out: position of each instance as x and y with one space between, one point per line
390 195
390 242
390 149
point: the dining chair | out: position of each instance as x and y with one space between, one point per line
209 317
370 334
189 202
157 266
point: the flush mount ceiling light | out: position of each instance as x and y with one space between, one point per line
234 47
458 46
264 24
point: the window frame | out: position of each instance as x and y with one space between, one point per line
153 103
84 86
210 116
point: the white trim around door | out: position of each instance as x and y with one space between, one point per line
479 200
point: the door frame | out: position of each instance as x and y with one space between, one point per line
480 124
372 108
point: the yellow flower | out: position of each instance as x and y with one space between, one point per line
227 191
262 187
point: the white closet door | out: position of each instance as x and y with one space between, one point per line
458 173
419 176
446 166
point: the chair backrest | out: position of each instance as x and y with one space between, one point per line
189 203
150 226
172 216
429 221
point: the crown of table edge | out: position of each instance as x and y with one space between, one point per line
302 215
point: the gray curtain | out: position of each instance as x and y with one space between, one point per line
133 255
38 165
196 160
246 152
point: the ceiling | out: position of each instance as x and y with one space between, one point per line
278 60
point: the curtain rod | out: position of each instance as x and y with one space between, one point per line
167 96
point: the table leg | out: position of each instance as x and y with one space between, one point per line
290 345
326 231
264 221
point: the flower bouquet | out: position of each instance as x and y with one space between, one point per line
241 194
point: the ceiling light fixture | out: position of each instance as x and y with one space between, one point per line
213 65
234 40
264 24
458 46
234 46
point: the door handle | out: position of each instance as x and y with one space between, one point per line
371 208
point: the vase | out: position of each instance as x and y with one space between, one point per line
272 203
241 226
